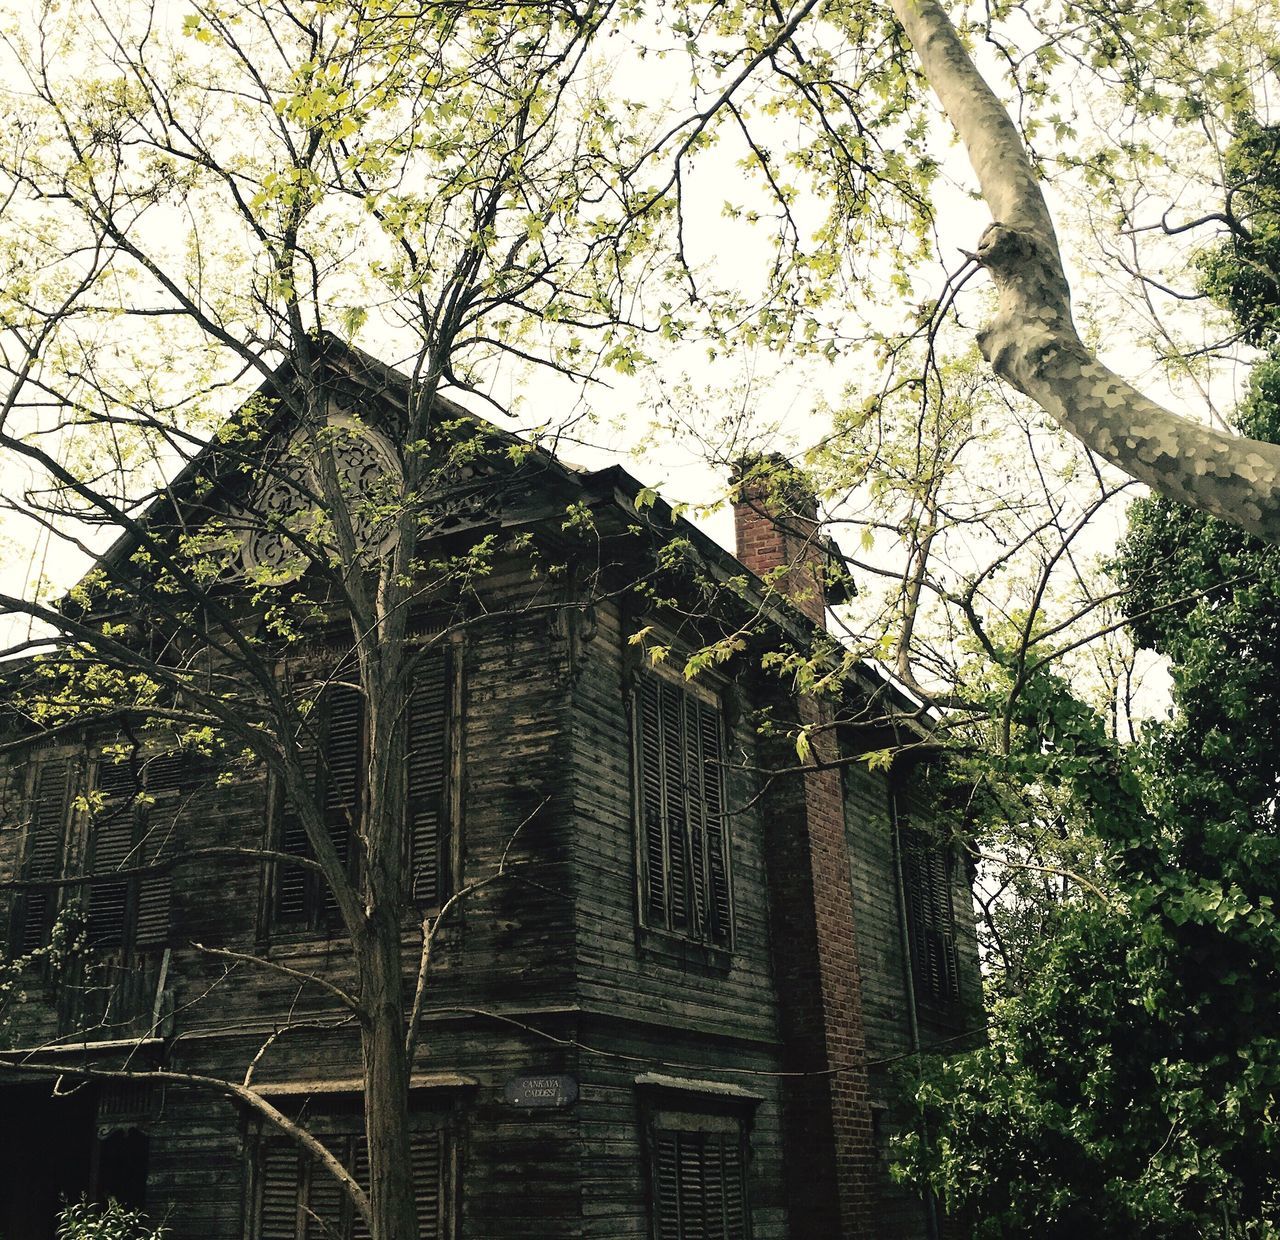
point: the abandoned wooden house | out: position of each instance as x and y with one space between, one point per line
678 1019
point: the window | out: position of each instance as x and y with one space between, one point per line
334 764
46 813
299 1199
133 824
927 870
698 1176
684 837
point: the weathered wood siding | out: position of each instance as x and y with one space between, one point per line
657 1006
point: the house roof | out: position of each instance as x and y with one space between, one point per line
613 486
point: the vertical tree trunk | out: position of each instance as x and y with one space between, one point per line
386 1087
383 885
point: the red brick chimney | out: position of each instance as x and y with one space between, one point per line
829 1150
775 514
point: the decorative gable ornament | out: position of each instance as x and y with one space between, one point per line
288 508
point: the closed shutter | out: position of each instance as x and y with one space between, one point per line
428 764
710 762
154 890
926 878
667 1185
674 787
278 1204
48 818
325 1196
344 774
427 1150
427 1155
684 835
649 754
360 1169
293 882
699 1186
112 851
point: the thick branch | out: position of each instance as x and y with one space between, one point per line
1032 343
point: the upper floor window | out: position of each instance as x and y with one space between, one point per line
683 827
335 763
46 809
928 869
133 825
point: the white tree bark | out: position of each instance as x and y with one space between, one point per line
1032 342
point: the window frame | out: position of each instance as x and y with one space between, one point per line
30 797
703 704
310 672
692 1114
927 867
146 801
337 1118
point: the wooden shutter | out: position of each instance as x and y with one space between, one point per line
293 882
675 791
278 1202
428 764
735 1187
667 1185
710 764
430 1170
112 851
699 1186
44 845
926 877
325 1196
649 756
155 890
343 774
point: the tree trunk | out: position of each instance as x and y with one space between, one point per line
393 1215
1032 342
385 1059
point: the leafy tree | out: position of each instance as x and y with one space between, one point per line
1131 1079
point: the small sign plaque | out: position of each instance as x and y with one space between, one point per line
541 1091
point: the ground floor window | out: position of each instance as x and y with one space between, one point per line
297 1198
698 1176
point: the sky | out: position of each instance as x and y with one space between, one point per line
784 392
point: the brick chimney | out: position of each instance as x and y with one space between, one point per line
826 1117
775 516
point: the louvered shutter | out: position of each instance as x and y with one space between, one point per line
344 772
154 890
325 1196
735 1188
360 1169
674 787
710 763
48 817
693 1204
278 1211
930 917
293 882
699 1186
428 762
649 754
172 771
427 1156
942 917
112 851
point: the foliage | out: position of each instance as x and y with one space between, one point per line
86 1221
1130 1085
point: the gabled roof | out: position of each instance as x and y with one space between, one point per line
359 375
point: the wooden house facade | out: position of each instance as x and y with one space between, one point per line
675 1017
